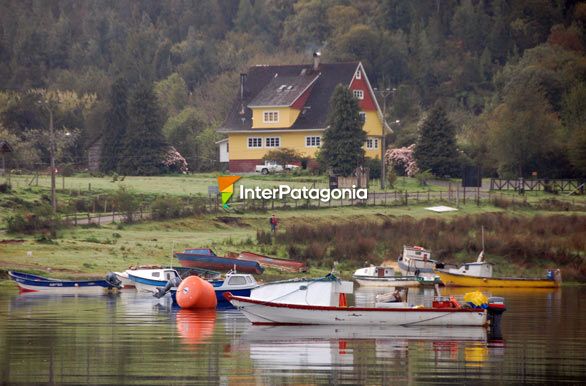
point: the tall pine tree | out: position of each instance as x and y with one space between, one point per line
144 144
116 122
342 150
436 148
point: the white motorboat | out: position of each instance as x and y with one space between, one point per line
416 261
264 312
148 280
374 276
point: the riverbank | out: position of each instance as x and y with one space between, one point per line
519 242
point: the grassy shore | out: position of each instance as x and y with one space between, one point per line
93 251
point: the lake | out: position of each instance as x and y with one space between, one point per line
131 338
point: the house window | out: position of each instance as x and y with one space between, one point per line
372 143
254 142
273 142
358 94
362 116
313 141
271 117
358 74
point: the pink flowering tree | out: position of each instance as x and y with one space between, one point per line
174 161
402 158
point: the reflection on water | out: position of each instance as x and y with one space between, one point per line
133 338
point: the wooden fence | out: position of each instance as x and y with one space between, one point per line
522 184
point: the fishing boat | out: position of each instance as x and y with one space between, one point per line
416 261
148 280
268 313
479 274
375 276
240 284
273 262
205 258
29 283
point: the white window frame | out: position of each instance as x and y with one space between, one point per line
253 141
358 74
313 141
276 141
371 143
358 94
270 117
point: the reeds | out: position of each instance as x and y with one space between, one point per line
534 242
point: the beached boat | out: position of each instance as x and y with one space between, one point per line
374 276
28 282
148 280
273 262
416 261
205 258
264 312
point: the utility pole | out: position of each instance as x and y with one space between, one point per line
385 93
52 156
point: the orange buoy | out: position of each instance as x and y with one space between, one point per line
194 292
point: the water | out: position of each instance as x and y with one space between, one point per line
130 338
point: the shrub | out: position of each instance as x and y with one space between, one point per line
39 218
5 187
264 237
166 208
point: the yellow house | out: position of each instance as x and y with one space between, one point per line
287 107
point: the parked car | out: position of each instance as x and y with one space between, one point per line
273 167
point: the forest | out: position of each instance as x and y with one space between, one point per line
510 75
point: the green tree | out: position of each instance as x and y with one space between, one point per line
172 93
115 130
283 156
144 144
342 150
436 148
522 130
181 131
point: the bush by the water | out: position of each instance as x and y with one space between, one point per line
540 241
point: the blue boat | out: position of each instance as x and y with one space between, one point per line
205 258
148 280
29 283
236 283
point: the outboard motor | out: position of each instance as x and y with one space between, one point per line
496 307
113 280
173 283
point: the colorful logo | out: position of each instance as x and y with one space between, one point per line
226 188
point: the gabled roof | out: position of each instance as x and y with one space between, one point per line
282 91
5 147
262 79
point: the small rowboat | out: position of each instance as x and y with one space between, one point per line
273 262
264 312
28 283
206 258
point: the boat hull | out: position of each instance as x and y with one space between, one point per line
273 262
456 280
261 312
33 283
190 260
387 282
147 285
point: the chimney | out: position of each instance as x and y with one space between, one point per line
316 57
242 80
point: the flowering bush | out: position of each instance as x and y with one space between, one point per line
402 158
174 161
